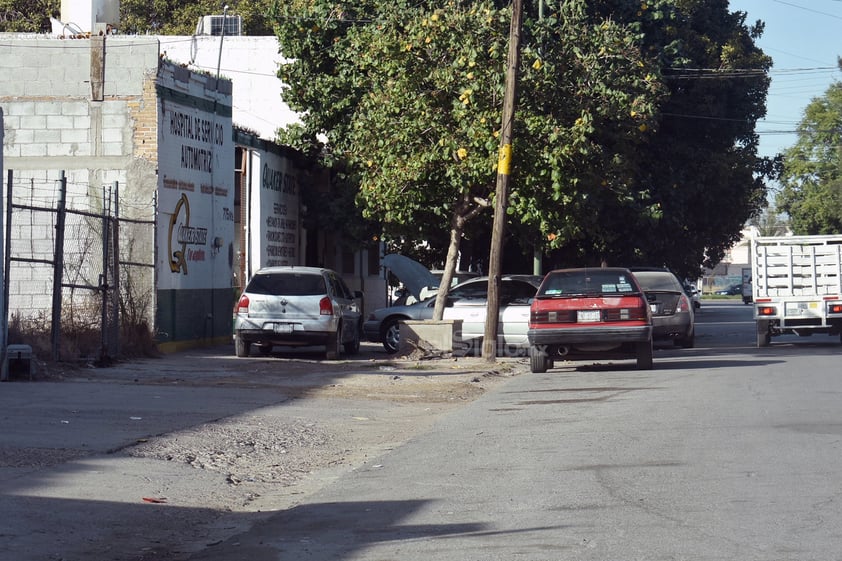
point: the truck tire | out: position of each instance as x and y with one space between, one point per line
764 337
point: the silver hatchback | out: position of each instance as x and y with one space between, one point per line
297 306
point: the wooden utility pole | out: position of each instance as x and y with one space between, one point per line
504 162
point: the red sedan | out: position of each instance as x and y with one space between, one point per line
589 313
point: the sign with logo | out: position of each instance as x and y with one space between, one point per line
195 194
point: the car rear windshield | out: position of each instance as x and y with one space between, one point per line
576 283
287 284
658 281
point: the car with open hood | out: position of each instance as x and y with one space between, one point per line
468 302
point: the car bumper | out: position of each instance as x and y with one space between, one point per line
294 339
295 333
671 328
590 335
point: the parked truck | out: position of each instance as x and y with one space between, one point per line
797 285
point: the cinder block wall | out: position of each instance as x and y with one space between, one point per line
53 124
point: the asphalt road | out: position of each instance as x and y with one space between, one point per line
722 452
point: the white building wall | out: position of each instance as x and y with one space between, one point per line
251 63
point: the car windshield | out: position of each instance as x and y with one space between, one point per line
653 281
470 290
574 283
287 284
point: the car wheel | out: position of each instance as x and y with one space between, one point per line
763 335
241 347
644 355
334 343
391 335
353 347
265 350
538 360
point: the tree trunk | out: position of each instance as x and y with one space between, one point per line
457 226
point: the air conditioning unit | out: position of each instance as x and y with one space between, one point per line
213 25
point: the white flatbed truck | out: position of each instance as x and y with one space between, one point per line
797 286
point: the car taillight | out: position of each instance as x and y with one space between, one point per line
242 305
683 304
634 314
835 308
639 313
766 311
325 307
539 316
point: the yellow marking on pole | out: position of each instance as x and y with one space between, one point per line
504 161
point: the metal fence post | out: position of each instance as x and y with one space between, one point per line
58 268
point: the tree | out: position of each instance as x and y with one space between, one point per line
180 17
410 94
606 168
698 178
162 17
28 16
770 223
812 169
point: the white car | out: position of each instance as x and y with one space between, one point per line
297 306
467 302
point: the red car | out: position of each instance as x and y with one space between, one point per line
587 313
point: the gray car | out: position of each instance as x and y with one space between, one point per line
467 302
673 317
297 306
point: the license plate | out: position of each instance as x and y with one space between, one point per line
801 308
584 316
282 328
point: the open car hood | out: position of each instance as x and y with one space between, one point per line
411 273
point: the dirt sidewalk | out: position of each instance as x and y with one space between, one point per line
328 418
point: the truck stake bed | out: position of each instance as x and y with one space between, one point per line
797 285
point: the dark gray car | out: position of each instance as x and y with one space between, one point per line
673 317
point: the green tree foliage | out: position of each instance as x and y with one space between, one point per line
634 139
812 168
161 17
180 17
28 16
410 93
698 178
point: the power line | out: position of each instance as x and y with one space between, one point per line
808 9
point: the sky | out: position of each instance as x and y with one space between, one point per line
803 38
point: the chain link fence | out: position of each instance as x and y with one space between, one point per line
79 280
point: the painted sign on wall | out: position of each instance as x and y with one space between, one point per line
195 192
275 200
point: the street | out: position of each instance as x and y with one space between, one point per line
722 452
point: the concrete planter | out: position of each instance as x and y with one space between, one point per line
429 336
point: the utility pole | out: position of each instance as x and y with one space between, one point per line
504 162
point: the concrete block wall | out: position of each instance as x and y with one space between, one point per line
55 124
